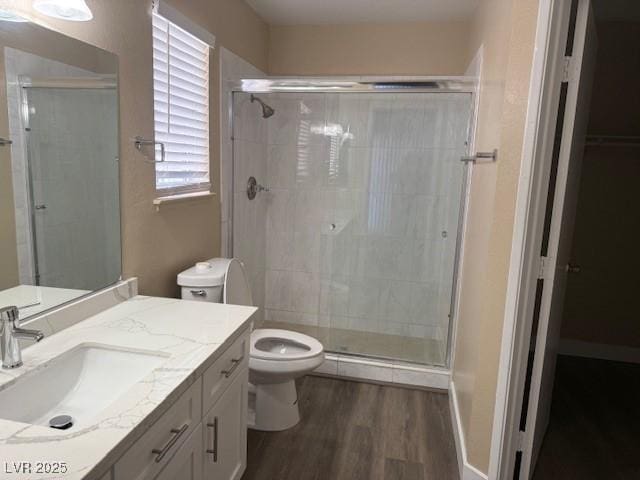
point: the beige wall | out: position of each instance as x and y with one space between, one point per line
8 248
599 300
420 48
157 245
505 29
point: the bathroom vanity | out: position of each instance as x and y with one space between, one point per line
156 389
123 386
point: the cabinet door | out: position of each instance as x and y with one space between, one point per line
225 433
186 464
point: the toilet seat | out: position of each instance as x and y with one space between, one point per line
236 289
283 345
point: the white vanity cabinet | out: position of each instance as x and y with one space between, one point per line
225 433
203 435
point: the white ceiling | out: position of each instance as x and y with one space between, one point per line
323 12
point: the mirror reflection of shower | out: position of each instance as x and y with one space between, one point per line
267 111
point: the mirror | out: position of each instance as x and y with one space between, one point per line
59 173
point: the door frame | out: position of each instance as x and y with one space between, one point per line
549 65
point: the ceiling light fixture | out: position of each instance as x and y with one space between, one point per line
73 10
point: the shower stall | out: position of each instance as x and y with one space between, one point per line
347 207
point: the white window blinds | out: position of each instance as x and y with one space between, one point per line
181 107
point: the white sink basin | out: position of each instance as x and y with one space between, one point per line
81 383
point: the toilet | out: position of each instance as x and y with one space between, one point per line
277 357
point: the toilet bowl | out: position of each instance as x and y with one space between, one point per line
276 358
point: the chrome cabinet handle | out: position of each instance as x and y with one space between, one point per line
5 141
176 434
234 364
214 451
199 293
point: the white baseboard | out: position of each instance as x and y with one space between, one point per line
380 371
601 351
467 471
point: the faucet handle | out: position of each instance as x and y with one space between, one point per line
10 314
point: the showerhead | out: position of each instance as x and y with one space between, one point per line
267 111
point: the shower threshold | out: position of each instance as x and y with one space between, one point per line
372 345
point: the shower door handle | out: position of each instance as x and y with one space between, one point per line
5 142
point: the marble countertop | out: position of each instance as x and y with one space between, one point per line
192 335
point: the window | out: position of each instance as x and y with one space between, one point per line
181 108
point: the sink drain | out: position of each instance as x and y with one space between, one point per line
61 422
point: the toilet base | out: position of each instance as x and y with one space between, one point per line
275 406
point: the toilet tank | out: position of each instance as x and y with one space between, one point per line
204 281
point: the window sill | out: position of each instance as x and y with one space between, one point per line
180 198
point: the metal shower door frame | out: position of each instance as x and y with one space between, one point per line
370 85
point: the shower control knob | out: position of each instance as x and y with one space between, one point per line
253 188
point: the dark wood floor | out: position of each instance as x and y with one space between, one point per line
358 431
594 431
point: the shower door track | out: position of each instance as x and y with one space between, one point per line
356 85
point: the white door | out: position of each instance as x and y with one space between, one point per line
225 433
578 98
186 464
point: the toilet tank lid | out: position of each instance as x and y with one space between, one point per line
209 273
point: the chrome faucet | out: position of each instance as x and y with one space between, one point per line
10 332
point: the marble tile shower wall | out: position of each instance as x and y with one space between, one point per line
249 234
362 213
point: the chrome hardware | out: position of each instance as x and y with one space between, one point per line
332 226
5 142
176 434
199 293
491 156
253 188
10 332
61 422
234 364
140 142
40 206
214 451
573 268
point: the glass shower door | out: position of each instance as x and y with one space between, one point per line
398 189
73 181
355 241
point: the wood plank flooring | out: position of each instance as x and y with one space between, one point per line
594 431
358 431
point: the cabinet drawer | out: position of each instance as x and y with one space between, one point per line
219 375
156 447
